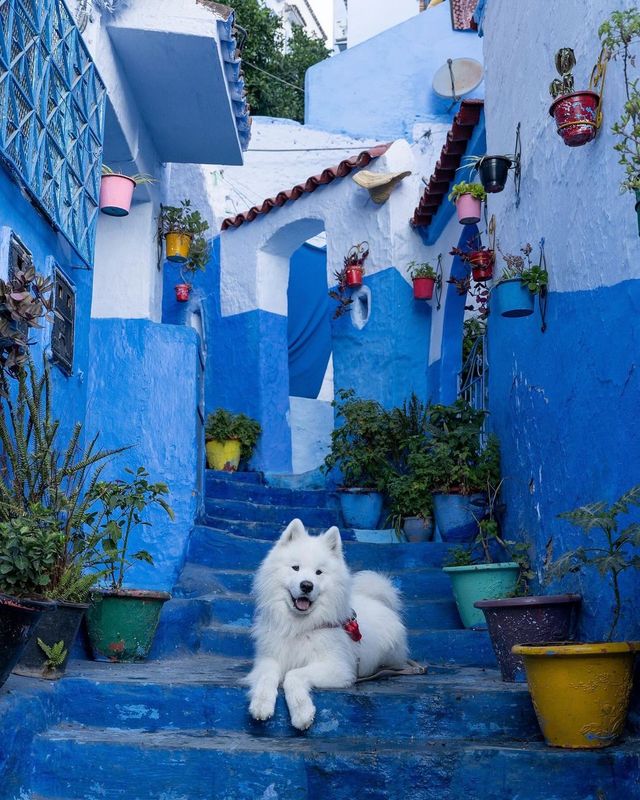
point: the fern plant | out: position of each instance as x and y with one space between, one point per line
609 548
56 654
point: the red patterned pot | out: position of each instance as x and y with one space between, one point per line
575 116
182 292
481 264
423 288
353 276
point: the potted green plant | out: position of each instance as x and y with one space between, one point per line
122 622
424 277
410 505
181 227
493 171
360 451
354 264
46 498
520 282
116 191
468 199
230 439
459 466
618 34
581 691
199 254
475 571
575 113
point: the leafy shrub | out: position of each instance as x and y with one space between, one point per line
222 425
476 190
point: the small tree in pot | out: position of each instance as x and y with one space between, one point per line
581 691
181 227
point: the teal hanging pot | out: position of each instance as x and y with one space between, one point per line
513 298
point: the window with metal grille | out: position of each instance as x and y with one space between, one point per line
62 336
19 257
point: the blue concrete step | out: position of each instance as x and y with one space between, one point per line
264 531
204 694
459 646
196 579
217 548
244 511
221 489
438 614
251 478
78 762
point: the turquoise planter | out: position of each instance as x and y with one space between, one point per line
361 508
513 299
480 582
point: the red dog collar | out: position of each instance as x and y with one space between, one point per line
349 625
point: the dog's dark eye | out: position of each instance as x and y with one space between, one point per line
296 568
318 572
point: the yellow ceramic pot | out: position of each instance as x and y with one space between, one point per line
177 246
223 456
580 691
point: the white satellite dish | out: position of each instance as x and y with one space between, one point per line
457 77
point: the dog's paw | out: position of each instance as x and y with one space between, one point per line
303 714
262 707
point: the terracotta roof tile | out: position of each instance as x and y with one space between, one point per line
310 185
444 172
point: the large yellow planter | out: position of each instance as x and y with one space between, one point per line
177 246
580 691
223 456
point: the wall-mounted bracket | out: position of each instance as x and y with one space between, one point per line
543 295
438 284
517 164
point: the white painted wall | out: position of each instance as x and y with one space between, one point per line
295 12
311 425
367 18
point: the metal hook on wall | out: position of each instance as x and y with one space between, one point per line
517 164
543 295
438 284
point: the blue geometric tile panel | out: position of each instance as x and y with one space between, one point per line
51 115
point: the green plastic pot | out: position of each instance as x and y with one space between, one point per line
480 582
121 625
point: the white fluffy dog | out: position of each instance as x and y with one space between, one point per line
304 631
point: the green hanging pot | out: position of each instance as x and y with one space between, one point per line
121 625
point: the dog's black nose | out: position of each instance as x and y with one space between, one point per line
306 586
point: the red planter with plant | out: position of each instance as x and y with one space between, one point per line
353 276
481 262
423 288
182 292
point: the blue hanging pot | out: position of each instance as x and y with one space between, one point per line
513 298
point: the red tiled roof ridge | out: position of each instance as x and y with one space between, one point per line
455 146
328 175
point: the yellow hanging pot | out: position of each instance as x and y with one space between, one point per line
580 692
177 246
224 456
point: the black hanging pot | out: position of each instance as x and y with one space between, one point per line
61 625
17 621
493 172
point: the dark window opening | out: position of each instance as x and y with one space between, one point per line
62 338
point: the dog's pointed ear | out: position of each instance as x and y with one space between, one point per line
334 540
294 530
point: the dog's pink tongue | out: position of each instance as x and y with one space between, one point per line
302 603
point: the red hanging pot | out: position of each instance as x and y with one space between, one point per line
182 292
575 115
353 276
481 264
423 288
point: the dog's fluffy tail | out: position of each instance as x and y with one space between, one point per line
379 587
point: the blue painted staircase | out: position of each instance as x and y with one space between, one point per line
177 728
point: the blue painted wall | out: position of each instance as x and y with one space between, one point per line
387 359
242 371
382 87
143 392
565 402
309 323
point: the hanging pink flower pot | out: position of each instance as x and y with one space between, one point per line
423 288
468 209
182 292
575 115
353 276
116 194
